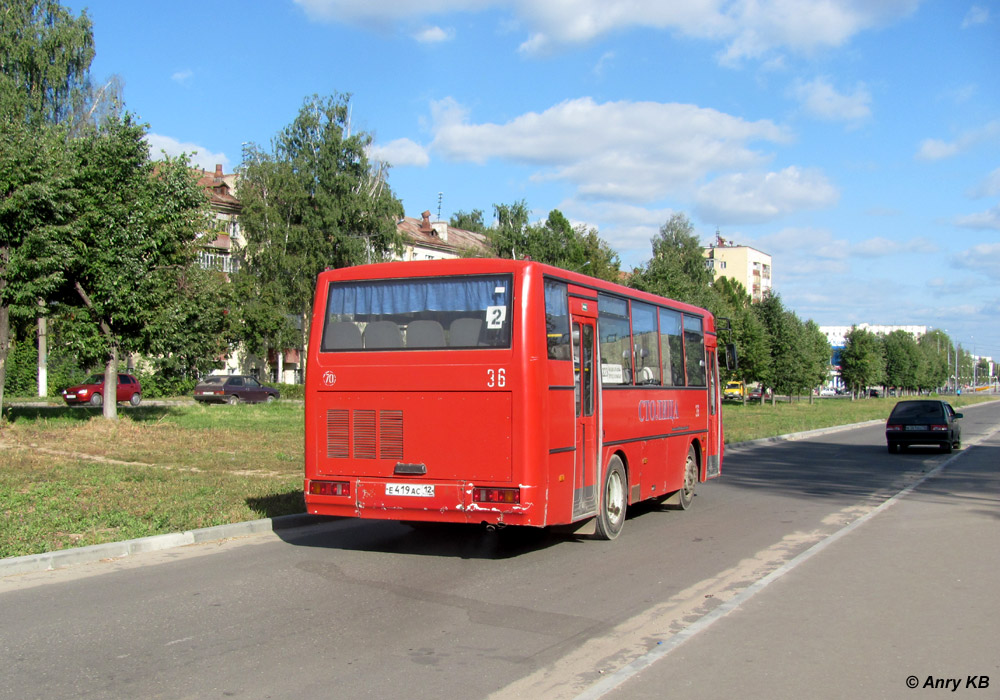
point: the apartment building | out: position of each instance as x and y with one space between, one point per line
748 266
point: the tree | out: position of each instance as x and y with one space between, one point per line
862 361
314 202
677 268
134 236
935 365
45 56
509 236
468 221
192 328
35 208
817 351
902 360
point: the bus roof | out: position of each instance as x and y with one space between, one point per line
465 266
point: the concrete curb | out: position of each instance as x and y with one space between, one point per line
115 550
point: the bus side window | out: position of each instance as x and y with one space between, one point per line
672 347
557 320
616 340
694 350
647 346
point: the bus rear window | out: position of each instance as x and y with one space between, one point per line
419 314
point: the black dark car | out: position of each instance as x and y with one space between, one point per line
923 422
233 388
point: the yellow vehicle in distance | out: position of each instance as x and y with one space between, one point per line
734 391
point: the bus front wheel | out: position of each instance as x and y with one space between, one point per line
614 500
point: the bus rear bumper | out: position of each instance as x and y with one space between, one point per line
447 502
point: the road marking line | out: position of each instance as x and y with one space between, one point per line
619 677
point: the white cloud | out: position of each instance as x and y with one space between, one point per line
761 197
989 219
937 149
401 152
980 258
382 13
975 16
747 28
820 99
803 243
434 35
635 151
197 155
885 247
183 76
989 187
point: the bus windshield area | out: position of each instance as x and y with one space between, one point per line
459 312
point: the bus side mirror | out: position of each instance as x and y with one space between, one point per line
732 361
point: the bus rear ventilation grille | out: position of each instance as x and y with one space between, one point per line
364 434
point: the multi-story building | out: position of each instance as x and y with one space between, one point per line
746 265
223 239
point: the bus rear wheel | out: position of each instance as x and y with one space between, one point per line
683 498
614 500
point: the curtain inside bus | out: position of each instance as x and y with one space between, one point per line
419 313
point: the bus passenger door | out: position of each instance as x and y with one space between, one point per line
713 463
586 391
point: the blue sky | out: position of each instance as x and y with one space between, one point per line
855 141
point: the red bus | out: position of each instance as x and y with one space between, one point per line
505 392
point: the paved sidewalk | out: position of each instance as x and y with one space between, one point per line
905 605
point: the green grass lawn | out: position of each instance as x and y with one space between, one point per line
70 478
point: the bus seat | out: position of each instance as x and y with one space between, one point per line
341 335
425 334
383 334
464 332
562 351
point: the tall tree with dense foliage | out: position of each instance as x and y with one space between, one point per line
35 211
902 360
45 57
677 268
133 237
468 221
782 333
315 201
935 367
862 361
508 237
818 352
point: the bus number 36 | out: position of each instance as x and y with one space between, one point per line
496 378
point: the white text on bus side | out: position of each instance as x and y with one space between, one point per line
664 409
496 378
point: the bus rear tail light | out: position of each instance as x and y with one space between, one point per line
480 495
330 488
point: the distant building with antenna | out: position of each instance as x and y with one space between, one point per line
746 265
436 240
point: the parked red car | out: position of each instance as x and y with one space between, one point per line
92 391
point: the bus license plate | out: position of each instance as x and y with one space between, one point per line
421 490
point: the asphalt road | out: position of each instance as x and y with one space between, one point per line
676 605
